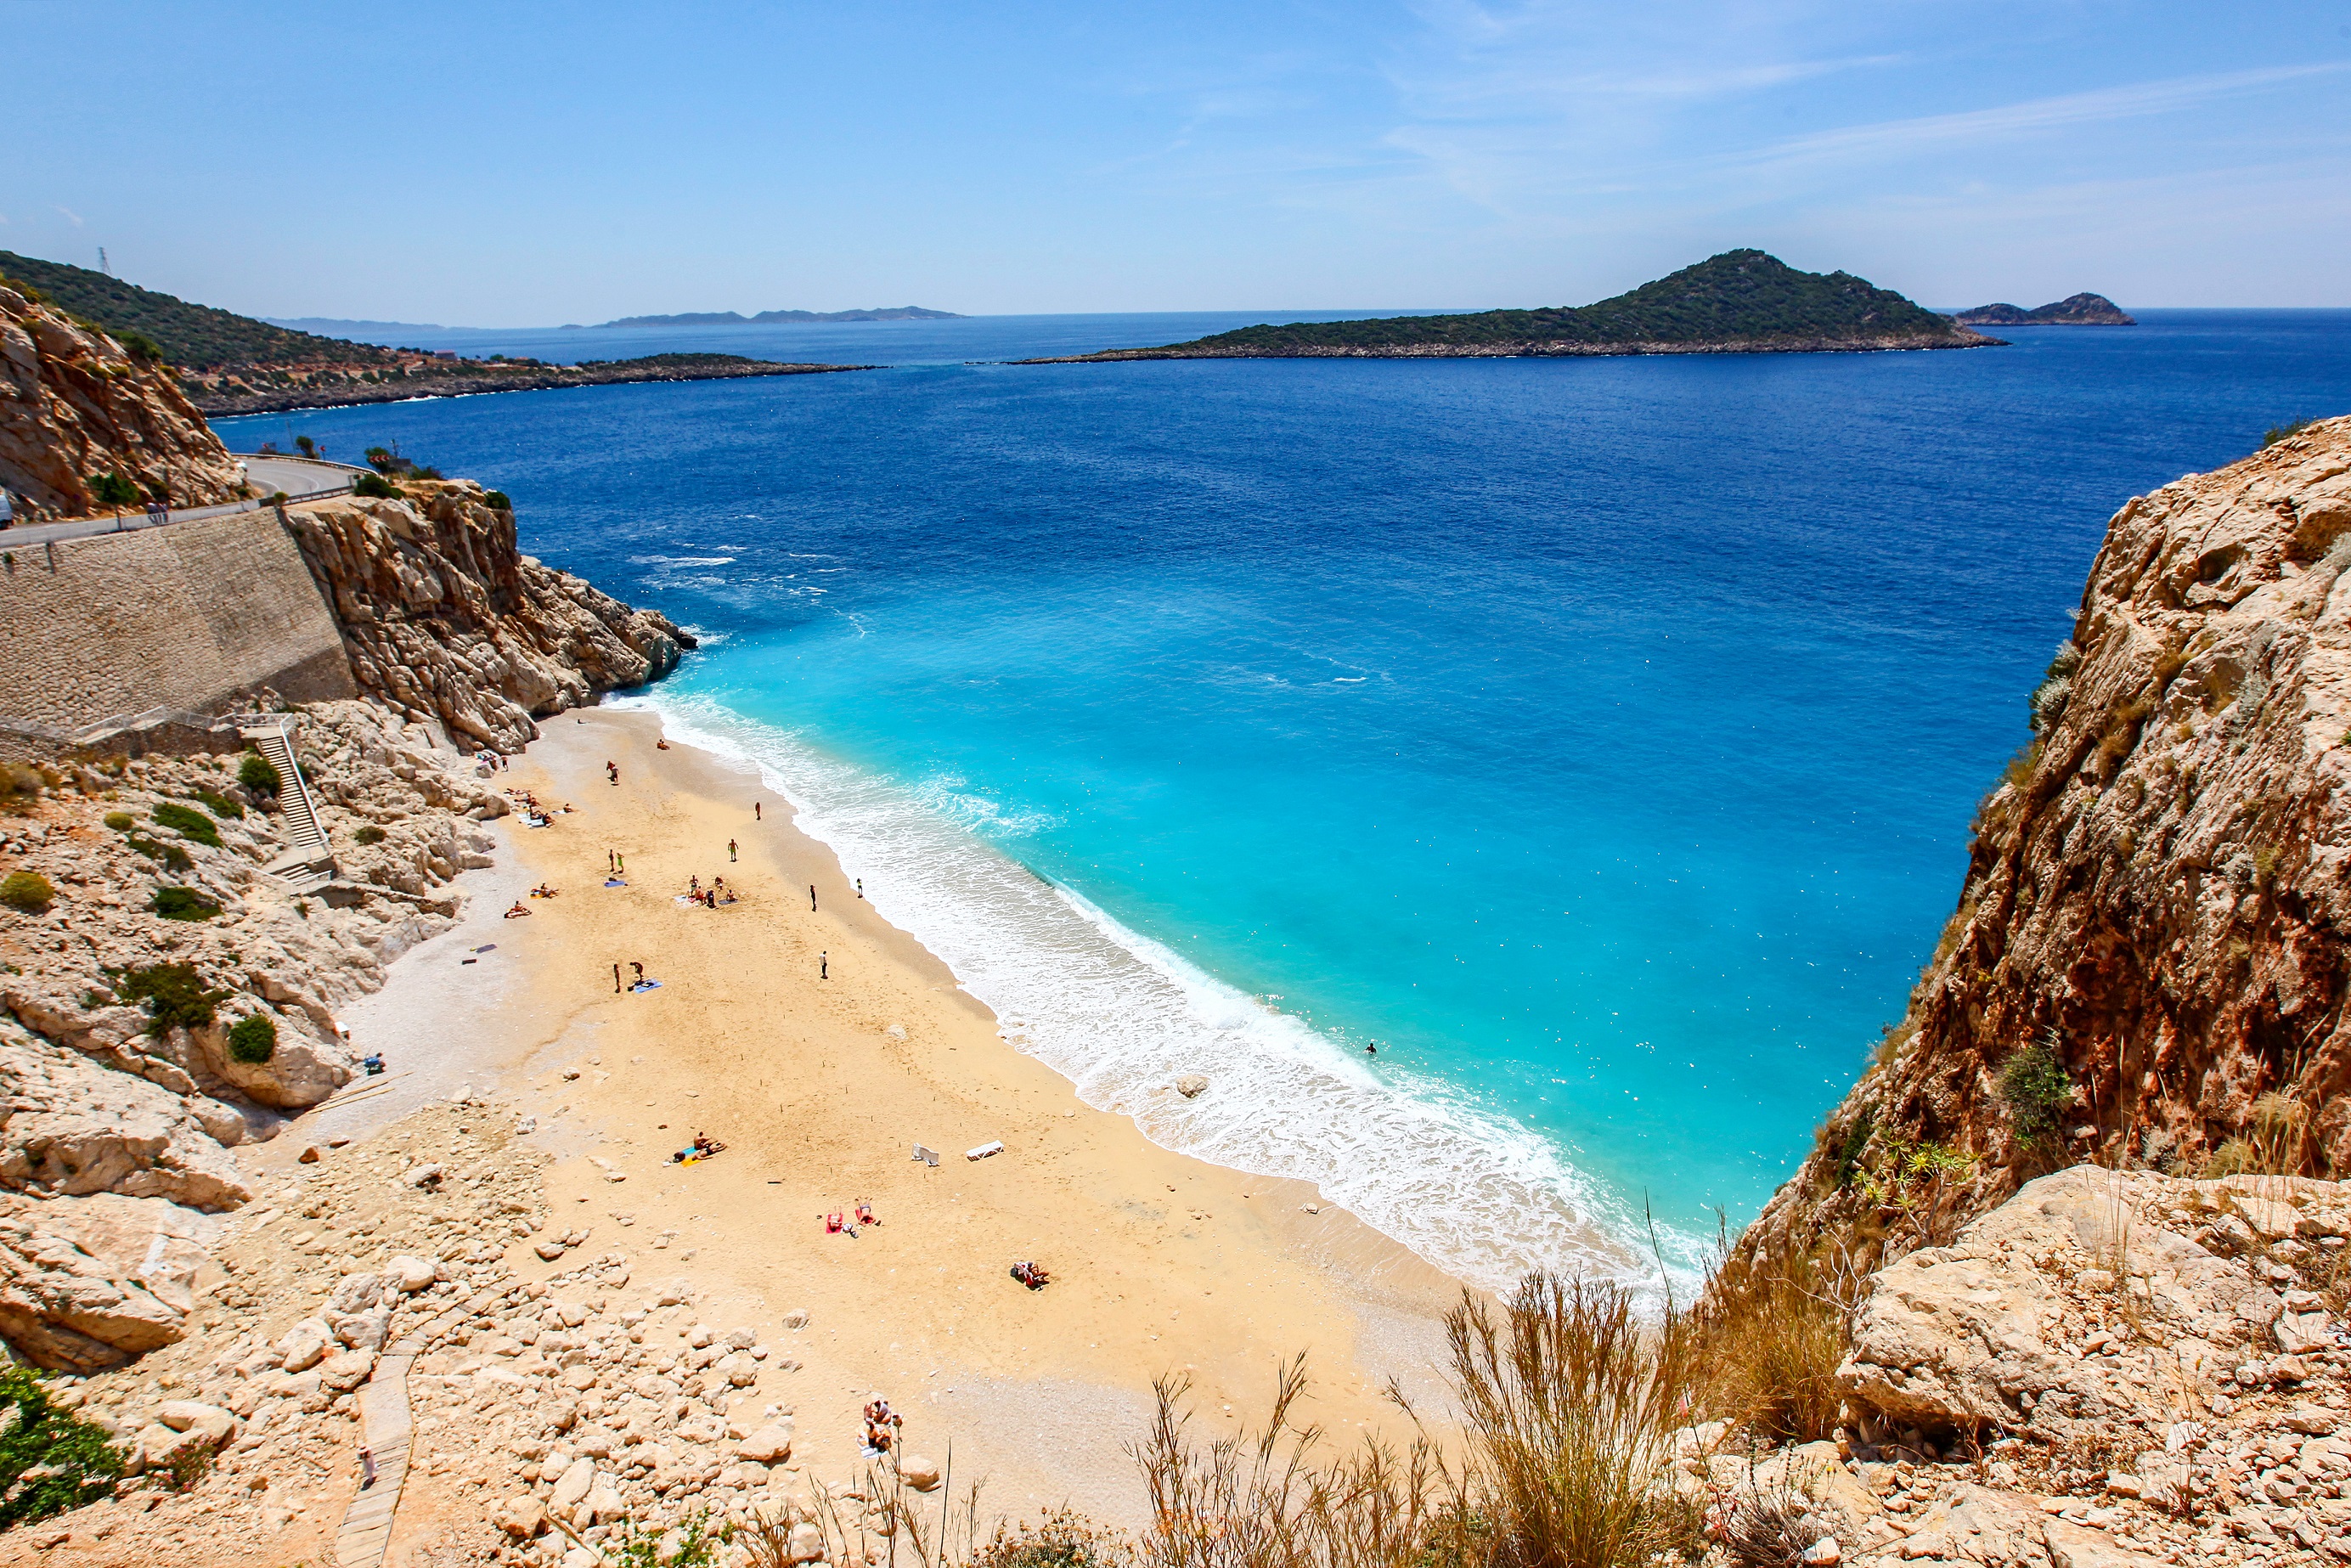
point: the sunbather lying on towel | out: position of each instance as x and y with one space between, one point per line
1032 1275
517 912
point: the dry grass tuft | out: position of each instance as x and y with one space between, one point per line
1769 1333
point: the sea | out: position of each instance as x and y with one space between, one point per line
1526 789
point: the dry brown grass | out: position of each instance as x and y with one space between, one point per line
1769 1332
1569 1402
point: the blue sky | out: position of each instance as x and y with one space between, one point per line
508 165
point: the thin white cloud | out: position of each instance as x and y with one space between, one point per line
71 216
1935 132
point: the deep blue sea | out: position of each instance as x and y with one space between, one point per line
1598 737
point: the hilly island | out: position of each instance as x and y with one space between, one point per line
1740 302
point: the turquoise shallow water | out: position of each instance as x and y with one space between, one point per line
1597 737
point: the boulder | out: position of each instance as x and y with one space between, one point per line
211 1423
1192 1085
88 1282
75 1129
346 1371
769 1445
918 1472
571 1487
805 1544
1967 1336
301 1071
409 1274
522 1517
305 1346
603 1505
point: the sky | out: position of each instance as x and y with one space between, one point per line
506 165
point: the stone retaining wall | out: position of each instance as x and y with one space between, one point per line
186 616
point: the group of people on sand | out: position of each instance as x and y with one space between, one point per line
710 897
518 913
536 814
881 1425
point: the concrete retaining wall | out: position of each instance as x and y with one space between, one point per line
186 616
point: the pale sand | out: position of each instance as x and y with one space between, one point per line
1161 1263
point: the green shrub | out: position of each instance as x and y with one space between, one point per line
2035 1089
371 834
254 1039
376 486
2277 433
175 996
77 1462
171 857
498 500
188 822
28 891
183 903
138 345
122 821
111 489
258 774
220 805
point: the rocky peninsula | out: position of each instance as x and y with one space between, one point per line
2074 310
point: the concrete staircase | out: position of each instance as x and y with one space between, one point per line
308 863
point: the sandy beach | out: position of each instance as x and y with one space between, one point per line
821 1086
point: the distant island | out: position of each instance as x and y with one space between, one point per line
227 363
2074 310
1740 302
737 319
344 326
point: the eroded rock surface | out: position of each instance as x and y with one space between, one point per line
444 618
75 404
2155 892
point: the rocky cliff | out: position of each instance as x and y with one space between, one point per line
2147 966
75 404
444 617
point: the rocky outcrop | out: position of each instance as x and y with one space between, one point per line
444 618
2155 900
91 1282
75 404
105 1093
2113 1369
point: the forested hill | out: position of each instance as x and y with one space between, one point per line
192 336
1742 301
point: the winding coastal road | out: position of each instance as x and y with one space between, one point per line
301 478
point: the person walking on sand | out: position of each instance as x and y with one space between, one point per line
823 967
860 887
616 979
811 898
755 810
730 850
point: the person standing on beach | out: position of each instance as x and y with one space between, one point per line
811 898
730 850
616 979
823 967
755 810
860 887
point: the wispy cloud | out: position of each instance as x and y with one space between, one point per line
71 216
1893 139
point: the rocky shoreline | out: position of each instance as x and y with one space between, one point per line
285 388
1532 349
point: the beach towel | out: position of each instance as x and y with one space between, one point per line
614 882
646 986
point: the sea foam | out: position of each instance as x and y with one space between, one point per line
1121 1017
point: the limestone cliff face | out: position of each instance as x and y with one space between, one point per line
2155 893
74 404
444 617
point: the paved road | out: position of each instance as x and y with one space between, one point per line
299 477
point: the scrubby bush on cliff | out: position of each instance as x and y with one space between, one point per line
258 774
2277 433
376 487
21 783
73 1462
188 822
371 834
183 903
2047 703
171 857
1771 1333
2034 1088
120 821
220 805
498 500
254 1041
111 489
28 891
175 996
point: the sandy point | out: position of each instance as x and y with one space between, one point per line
821 1086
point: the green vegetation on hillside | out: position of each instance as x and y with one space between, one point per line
1741 296
194 336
